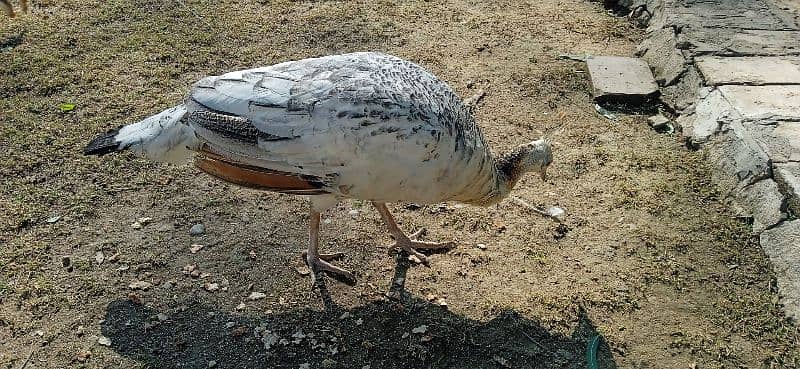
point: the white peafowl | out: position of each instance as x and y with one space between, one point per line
366 125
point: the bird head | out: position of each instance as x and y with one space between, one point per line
536 157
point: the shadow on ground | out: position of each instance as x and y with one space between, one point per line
399 332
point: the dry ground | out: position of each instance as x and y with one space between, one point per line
648 256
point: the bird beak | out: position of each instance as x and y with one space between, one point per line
543 173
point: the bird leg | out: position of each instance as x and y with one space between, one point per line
409 244
316 261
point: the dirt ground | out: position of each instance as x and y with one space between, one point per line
648 256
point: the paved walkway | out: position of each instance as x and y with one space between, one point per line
730 70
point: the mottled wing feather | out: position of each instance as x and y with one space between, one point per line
346 116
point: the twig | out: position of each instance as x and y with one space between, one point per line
530 207
28 359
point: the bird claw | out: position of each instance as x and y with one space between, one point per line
321 264
410 245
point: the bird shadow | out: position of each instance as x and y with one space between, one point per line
401 331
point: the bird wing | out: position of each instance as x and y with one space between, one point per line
335 116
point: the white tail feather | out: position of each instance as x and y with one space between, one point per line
162 137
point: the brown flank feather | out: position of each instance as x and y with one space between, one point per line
256 177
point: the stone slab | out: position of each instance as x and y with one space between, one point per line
660 52
781 141
764 103
761 201
704 40
711 113
621 78
683 94
787 175
782 246
731 14
757 70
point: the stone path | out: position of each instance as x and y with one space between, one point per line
730 71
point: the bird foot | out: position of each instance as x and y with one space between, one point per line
321 263
410 244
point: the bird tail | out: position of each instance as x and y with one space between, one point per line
162 137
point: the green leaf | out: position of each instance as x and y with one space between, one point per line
65 107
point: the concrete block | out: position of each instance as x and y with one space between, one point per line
766 104
787 175
749 70
704 40
660 52
782 246
621 79
763 202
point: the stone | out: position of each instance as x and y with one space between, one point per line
749 70
781 142
197 229
682 94
256 296
782 246
140 285
711 113
658 122
707 40
660 52
722 14
739 162
761 201
788 178
621 79
764 103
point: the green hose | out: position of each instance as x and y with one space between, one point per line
591 352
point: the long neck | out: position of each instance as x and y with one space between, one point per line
509 170
500 176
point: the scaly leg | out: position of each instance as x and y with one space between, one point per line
408 244
316 261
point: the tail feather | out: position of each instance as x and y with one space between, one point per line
161 137
103 144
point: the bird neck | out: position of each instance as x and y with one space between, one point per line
501 175
509 169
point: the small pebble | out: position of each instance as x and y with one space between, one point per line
359 321
230 325
140 285
353 213
420 330
53 219
211 287
104 341
162 317
212 363
99 257
256 296
195 248
482 246
241 306
197 229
